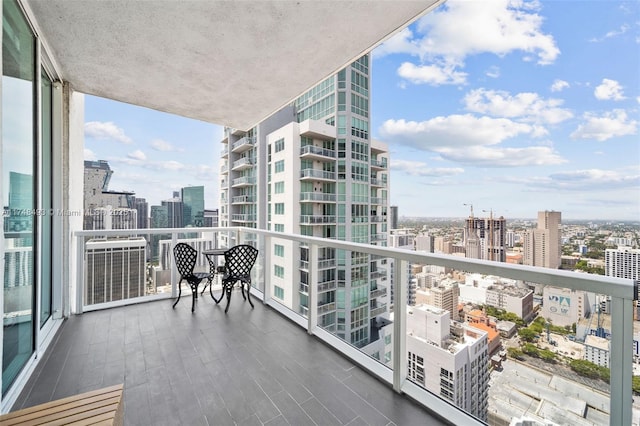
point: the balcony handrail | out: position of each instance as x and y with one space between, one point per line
311 149
622 291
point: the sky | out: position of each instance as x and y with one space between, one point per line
512 107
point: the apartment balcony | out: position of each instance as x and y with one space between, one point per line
313 174
321 265
317 197
243 182
377 182
243 199
326 307
224 169
311 219
243 217
377 219
243 164
379 201
379 291
224 153
378 164
310 152
327 285
180 367
379 273
379 237
243 144
376 309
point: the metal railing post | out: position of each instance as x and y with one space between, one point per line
400 323
312 317
621 359
80 262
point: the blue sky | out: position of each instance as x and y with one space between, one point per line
512 106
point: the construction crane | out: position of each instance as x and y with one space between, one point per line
471 205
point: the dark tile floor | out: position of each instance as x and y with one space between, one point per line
249 367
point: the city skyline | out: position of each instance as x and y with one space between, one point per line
539 114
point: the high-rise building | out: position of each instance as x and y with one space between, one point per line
313 169
114 270
211 218
193 206
142 207
393 217
542 246
623 262
97 175
448 358
159 219
485 238
174 212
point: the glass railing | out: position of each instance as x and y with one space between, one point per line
529 343
317 196
316 150
319 174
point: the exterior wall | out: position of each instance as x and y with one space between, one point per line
560 305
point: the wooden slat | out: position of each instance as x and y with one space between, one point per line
102 406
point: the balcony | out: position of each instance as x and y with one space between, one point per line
317 219
317 197
180 368
379 291
243 217
313 174
311 152
378 164
147 345
244 181
243 199
378 182
379 201
243 144
242 164
224 169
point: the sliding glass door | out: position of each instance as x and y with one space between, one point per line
18 170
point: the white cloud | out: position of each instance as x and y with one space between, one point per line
418 168
164 146
609 90
611 34
529 107
591 179
452 131
431 74
559 85
137 155
499 27
609 125
482 156
493 72
106 131
90 155
471 140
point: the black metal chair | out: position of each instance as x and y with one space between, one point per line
185 257
239 261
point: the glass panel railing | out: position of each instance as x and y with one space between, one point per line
476 341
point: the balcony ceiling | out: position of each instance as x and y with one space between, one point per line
232 63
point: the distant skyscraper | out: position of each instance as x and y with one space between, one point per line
623 262
485 238
142 207
193 206
542 246
115 270
97 175
211 218
159 219
174 213
393 217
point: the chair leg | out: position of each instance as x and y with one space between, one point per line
228 290
179 293
194 296
249 294
218 300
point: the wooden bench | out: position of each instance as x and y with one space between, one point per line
99 407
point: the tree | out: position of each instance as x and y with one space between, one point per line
527 334
514 353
